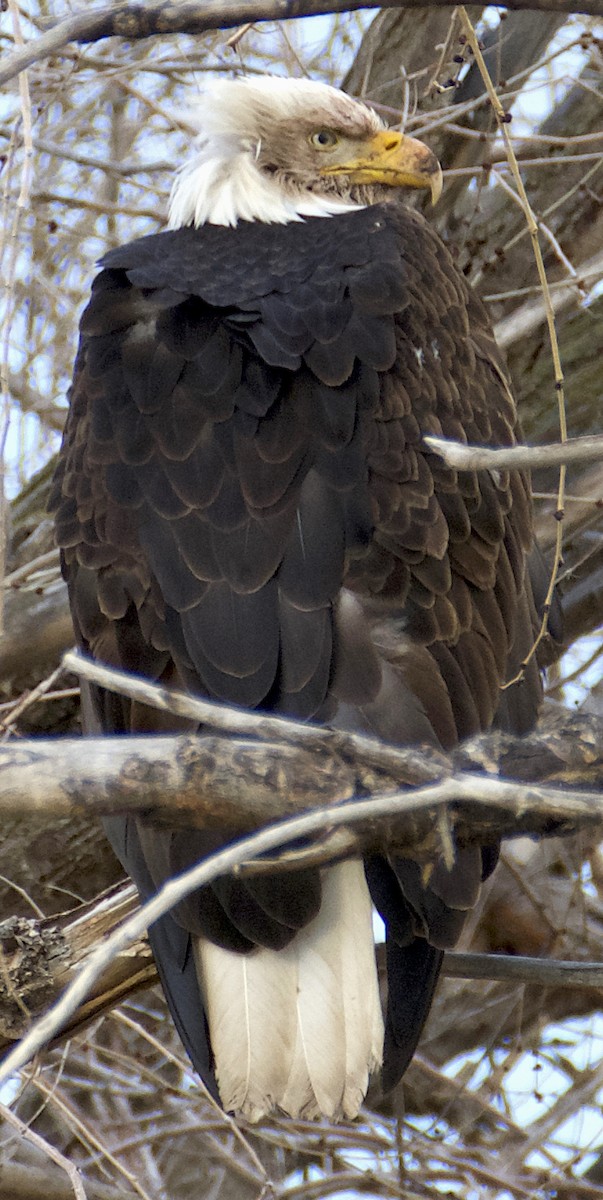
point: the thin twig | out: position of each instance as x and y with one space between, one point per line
503 123
83 1130
24 702
225 1121
241 722
541 225
40 1143
524 320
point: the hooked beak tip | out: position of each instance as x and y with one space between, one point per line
436 183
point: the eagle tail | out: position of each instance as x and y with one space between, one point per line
299 1030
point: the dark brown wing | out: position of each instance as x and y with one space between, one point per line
246 510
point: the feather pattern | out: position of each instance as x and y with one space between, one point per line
299 1029
247 509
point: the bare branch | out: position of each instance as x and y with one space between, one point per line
522 969
23 1181
238 784
515 806
41 956
136 21
482 458
376 755
29 1135
564 294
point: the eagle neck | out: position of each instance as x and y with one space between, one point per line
225 188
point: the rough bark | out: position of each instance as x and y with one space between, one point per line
236 784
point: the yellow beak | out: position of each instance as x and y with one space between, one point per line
395 160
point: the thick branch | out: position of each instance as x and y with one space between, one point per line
38 630
237 784
136 21
566 749
40 957
484 793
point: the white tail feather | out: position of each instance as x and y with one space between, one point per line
300 1029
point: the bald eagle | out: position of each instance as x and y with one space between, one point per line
247 510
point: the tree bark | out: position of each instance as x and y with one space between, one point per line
236 785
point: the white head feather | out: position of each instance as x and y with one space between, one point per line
224 183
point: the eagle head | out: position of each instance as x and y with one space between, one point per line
277 150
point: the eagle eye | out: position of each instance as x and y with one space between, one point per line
323 139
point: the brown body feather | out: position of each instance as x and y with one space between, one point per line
246 509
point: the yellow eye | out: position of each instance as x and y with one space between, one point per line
323 139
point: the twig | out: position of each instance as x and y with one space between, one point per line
122 169
527 138
40 1143
503 123
482 458
233 41
523 969
561 201
136 21
375 755
530 316
498 165
84 1129
541 225
586 272
258 1175
104 207
24 702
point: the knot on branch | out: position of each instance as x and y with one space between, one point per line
30 951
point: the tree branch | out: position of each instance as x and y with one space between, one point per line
567 293
236 782
41 956
268 769
478 458
515 807
237 785
23 1181
523 969
137 21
